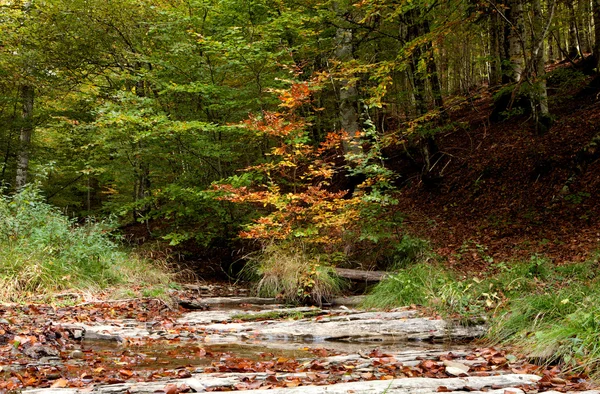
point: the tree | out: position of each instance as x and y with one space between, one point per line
596 13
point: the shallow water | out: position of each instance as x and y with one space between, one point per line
184 354
198 354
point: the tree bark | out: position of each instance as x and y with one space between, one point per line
596 11
347 92
573 49
585 26
417 27
495 25
515 40
27 99
539 97
141 187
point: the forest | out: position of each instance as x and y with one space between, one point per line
450 146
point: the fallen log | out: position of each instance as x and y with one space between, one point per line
360 275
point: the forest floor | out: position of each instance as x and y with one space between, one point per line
502 191
148 345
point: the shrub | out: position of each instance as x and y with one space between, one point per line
408 251
43 251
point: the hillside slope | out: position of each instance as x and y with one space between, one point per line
503 191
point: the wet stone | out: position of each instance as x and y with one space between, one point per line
77 354
49 360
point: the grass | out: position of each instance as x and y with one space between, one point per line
290 272
43 252
413 285
550 313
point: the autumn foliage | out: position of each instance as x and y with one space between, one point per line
292 190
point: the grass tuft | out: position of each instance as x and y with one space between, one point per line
290 272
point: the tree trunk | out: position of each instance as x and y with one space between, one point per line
515 40
539 97
347 92
495 25
434 79
596 11
141 186
27 98
573 48
418 27
585 26
551 52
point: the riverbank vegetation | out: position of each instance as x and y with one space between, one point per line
43 252
544 310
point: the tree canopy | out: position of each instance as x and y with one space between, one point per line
174 112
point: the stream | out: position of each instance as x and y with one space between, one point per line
251 345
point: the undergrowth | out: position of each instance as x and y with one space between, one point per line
292 273
549 312
43 252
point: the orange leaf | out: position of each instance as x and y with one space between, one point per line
60 383
126 372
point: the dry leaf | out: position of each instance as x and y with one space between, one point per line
60 383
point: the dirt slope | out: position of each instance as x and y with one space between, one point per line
503 191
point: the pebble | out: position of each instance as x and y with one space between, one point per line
77 354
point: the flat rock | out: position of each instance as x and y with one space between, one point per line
345 326
216 316
349 301
200 383
358 327
238 301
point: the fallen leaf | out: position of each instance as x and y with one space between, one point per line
60 383
126 372
171 388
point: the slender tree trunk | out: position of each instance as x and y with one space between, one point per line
573 48
27 98
347 92
495 25
596 12
515 40
551 56
413 32
432 72
418 86
585 26
418 27
141 187
540 93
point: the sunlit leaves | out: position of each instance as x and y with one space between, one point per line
296 197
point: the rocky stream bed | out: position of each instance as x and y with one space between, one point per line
253 345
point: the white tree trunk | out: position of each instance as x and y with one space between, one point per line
516 40
27 97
